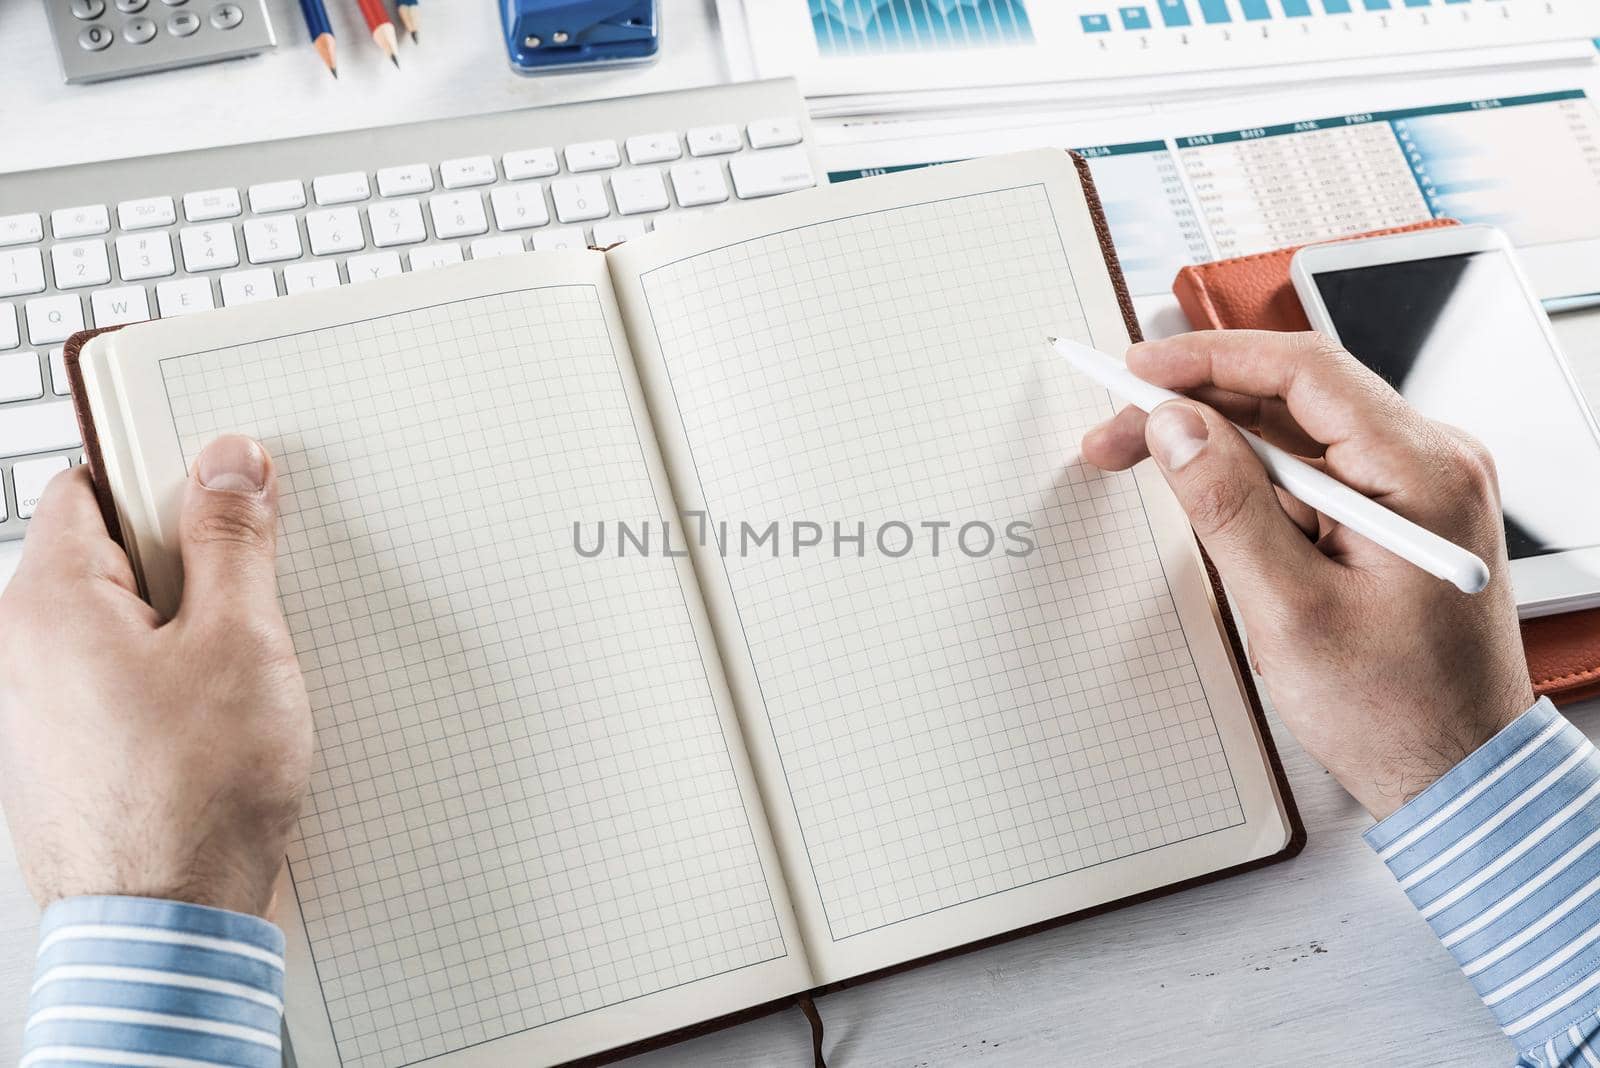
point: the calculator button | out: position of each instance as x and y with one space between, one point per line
226 16
88 9
86 221
132 7
20 229
210 204
183 24
139 31
94 38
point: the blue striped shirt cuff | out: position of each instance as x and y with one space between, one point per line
135 981
1502 858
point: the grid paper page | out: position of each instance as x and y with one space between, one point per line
523 807
949 727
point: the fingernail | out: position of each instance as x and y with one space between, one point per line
1175 433
232 463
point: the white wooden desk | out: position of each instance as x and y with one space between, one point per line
1317 961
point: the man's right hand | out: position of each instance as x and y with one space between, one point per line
1387 675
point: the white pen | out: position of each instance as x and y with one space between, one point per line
1435 555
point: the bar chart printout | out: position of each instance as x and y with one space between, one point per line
849 47
862 27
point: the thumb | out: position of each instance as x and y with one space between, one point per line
227 531
1259 551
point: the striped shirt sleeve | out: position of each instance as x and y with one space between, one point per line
135 981
1502 858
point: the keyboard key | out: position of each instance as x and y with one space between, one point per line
145 213
19 377
653 148
209 204
141 256
206 248
38 428
559 239
698 183
21 271
714 140
428 257
271 240
277 196
465 173
411 178
86 221
20 229
9 338
516 207
372 265
53 319
592 156
487 248
30 478
335 231
80 263
248 287
313 274
457 215
184 296
579 199
614 230
773 133
344 188
113 307
60 385
763 174
529 163
639 190
398 222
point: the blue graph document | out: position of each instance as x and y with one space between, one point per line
872 27
842 48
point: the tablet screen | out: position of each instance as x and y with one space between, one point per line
1455 335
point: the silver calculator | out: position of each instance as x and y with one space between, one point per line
101 39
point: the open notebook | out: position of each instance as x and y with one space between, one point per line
566 799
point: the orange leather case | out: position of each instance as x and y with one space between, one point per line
1254 293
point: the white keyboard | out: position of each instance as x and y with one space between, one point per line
119 242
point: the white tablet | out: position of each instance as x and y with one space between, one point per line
1447 317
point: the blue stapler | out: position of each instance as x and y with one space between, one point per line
545 35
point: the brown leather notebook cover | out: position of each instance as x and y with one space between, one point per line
1297 831
1254 293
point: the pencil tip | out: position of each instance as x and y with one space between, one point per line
396 61
1051 340
335 72
414 37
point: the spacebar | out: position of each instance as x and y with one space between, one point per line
38 428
